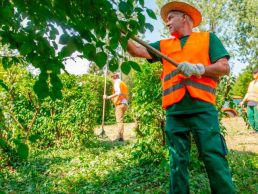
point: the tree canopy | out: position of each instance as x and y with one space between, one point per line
93 28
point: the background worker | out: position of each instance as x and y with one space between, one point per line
120 100
189 96
251 98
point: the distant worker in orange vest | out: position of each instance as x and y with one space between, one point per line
251 98
120 100
189 96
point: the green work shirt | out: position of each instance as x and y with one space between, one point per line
189 105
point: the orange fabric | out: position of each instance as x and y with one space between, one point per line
124 94
196 50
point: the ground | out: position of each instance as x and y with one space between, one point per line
108 167
238 136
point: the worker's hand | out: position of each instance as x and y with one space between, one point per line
241 103
105 97
189 69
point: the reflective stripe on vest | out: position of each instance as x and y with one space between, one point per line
196 50
189 83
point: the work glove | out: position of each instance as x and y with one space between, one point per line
188 69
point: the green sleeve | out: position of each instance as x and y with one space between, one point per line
216 50
155 58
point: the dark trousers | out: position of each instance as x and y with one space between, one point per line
211 146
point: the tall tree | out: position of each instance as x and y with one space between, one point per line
90 27
245 13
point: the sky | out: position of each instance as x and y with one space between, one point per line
80 66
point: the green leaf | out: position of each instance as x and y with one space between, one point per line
151 14
101 59
64 39
7 62
55 89
4 85
67 51
113 42
3 143
141 2
134 25
135 66
149 26
113 65
55 81
33 138
55 93
26 48
126 67
141 19
22 150
89 51
100 32
138 9
124 42
123 7
41 88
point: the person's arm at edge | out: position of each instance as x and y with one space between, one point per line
137 50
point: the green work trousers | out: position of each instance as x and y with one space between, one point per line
212 149
252 115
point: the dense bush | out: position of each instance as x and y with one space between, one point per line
147 111
27 121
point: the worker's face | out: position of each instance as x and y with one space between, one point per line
175 23
114 77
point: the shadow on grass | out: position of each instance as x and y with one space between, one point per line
105 144
130 179
32 176
154 179
45 175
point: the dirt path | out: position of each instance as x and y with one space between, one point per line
111 131
238 137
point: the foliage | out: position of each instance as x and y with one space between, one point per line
242 82
224 95
36 29
146 107
109 169
29 122
247 29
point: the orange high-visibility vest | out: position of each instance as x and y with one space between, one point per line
195 50
123 95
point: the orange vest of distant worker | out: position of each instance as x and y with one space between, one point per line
123 95
195 50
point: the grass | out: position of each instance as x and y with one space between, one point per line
108 168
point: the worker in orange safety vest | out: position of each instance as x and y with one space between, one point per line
120 100
189 96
